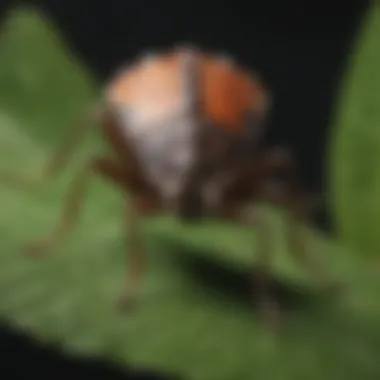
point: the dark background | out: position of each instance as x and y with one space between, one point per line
299 48
23 357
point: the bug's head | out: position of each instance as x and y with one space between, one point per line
201 198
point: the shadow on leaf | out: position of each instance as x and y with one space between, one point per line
218 280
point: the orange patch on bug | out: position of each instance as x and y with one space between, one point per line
226 91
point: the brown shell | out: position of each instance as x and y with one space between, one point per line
227 91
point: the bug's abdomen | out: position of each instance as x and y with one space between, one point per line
155 100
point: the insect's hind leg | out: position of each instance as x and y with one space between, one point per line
267 303
298 205
102 166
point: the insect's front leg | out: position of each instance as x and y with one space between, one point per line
103 166
261 281
289 192
59 158
139 202
297 224
138 206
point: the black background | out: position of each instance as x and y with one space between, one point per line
299 48
22 357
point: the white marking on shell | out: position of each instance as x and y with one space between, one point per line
164 148
163 133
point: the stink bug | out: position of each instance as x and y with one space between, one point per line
184 129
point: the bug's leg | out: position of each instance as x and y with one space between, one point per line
267 303
60 157
135 257
139 204
298 212
75 196
299 238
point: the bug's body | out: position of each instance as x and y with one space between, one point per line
166 103
183 128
